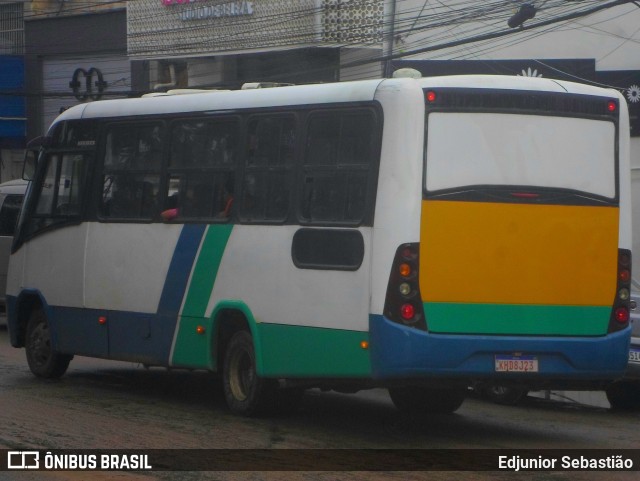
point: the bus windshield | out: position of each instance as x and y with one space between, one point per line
497 149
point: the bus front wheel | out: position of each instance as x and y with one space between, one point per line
43 360
245 392
418 400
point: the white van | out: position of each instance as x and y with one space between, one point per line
11 195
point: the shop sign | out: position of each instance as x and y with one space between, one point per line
200 12
87 84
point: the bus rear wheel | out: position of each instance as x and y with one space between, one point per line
624 395
419 400
245 392
43 360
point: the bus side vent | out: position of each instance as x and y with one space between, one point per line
403 303
622 303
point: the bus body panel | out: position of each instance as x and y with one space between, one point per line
401 352
54 264
249 271
514 279
120 276
398 201
157 322
499 268
624 174
231 266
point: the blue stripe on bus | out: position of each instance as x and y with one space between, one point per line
175 285
132 336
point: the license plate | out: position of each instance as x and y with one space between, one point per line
634 355
516 364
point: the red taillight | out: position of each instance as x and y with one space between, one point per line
624 275
431 96
403 303
622 302
612 106
622 315
407 311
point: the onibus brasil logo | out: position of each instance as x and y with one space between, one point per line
32 460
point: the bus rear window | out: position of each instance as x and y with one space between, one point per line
497 149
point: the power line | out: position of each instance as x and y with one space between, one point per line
488 14
497 34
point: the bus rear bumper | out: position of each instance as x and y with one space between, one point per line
399 352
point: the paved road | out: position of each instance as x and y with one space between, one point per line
101 405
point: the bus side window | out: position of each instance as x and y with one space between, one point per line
129 196
131 172
61 192
337 167
269 166
201 170
149 152
70 184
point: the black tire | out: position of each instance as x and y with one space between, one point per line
505 395
423 401
624 395
43 360
245 392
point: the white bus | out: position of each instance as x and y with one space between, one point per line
414 234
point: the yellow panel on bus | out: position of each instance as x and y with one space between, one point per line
502 253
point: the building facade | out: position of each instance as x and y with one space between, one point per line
87 61
12 90
213 43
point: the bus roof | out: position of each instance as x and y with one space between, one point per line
511 82
343 92
313 94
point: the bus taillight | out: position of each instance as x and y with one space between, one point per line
407 311
403 303
624 275
622 315
621 304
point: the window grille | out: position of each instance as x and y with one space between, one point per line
11 29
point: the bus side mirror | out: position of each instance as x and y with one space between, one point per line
30 164
31 156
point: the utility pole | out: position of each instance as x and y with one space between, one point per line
389 34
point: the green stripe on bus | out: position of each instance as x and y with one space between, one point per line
517 319
507 319
192 349
206 270
299 351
